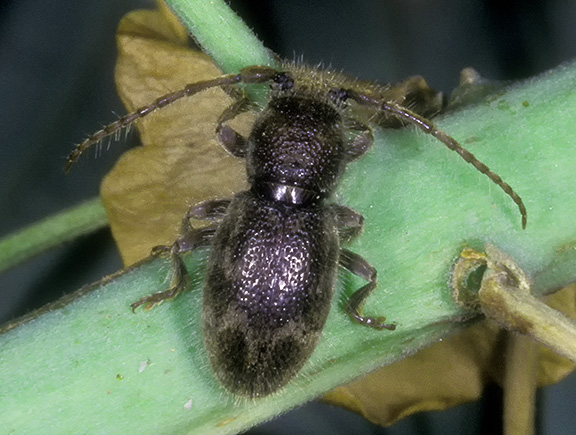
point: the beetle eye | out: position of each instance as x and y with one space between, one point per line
339 96
283 81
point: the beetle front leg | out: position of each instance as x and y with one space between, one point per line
232 141
361 143
360 267
191 241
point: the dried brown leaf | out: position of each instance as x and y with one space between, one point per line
448 373
180 163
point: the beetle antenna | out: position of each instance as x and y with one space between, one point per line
127 120
257 74
427 126
249 75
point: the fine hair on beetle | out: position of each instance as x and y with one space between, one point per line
276 247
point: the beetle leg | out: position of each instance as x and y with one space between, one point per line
211 210
350 223
361 143
232 141
360 267
208 210
191 241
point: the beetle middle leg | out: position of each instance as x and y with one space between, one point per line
360 267
208 210
350 224
190 241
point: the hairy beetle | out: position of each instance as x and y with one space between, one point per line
276 247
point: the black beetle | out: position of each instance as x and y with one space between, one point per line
275 248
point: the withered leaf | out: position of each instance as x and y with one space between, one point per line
449 373
181 162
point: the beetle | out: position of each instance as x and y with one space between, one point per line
276 247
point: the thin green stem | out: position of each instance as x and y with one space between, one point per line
51 232
222 34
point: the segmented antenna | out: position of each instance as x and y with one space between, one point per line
253 74
428 127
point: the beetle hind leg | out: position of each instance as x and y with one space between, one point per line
354 306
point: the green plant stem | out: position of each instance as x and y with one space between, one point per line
92 363
51 232
225 37
222 34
